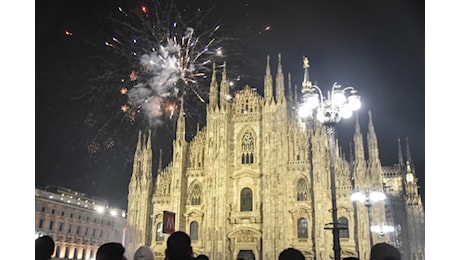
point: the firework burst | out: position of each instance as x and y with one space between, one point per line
169 50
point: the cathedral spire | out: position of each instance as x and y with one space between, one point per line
280 82
268 83
372 141
160 162
180 132
295 94
306 77
400 155
147 158
224 87
213 89
149 141
408 156
139 142
358 140
290 96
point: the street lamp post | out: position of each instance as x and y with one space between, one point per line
368 199
339 103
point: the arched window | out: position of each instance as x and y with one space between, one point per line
195 195
160 236
247 148
246 199
302 228
301 189
343 224
194 230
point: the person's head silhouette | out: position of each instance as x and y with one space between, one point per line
179 246
291 254
384 251
110 251
44 247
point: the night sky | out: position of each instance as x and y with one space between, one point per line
86 143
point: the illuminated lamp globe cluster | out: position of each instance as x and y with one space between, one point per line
340 103
371 198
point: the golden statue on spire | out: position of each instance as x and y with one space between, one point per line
305 62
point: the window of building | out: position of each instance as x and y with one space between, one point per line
83 254
100 234
87 218
62 213
246 199
40 223
51 225
70 228
79 217
61 226
43 209
78 230
71 215
57 253
302 228
75 254
52 211
194 230
195 195
66 255
160 236
94 232
86 231
247 148
301 189
343 224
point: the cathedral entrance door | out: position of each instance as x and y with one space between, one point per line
246 255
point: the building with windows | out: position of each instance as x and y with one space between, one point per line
255 181
78 223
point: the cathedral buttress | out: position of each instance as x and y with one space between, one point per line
140 193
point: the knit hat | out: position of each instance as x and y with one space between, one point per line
144 253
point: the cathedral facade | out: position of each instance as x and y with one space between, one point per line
255 181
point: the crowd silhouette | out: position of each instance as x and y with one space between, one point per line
179 247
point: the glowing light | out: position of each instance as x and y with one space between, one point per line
267 28
144 9
68 33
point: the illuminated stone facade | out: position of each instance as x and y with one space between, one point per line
255 180
77 223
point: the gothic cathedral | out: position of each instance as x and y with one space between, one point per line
255 181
